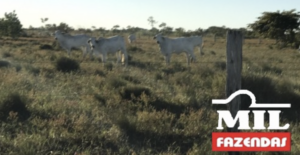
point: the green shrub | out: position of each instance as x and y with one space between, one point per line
220 65
116 83
132 92
31 69
6 54
134 49
65 64
46 47
4 63
13 102
267 68
10 25
131 79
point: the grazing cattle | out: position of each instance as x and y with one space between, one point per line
131 38
197 42
68 42
178 45
104 46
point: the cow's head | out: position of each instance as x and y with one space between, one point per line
57 34
159 38
92 42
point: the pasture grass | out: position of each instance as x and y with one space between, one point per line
146 108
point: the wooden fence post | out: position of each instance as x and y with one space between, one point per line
234 69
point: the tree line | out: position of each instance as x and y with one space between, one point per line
283 26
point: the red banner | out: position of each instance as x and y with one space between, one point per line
251 141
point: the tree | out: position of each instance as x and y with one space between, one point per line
277 25
115 27
151 21
154 30
44 30
63 27
179 31
217 31
10 25
102 31
43 20
198 32
162 25
167 30
51 27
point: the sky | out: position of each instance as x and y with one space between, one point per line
188 14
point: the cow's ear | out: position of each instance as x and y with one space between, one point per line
89 41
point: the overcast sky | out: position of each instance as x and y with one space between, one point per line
189 14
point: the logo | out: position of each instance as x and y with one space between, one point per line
251 141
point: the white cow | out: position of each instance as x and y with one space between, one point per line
68 42
178 45
131 38
115 44
197 41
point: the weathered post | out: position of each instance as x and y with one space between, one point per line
234 69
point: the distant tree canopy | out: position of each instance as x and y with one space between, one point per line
281 26
151 21
218 31
62 27
10 25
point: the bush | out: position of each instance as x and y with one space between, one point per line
10 25
131 79
134 49
130 93
116 83
220 65
4 63
65 64
6 54
46 47
13 102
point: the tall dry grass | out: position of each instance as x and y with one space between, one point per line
147 108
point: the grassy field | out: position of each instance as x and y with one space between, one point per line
147 108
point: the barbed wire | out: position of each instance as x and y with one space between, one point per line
156 93
95 61
253 65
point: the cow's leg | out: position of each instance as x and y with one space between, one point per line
69 52
84 52
168 57
101 57
118 55
91 53
188 58
125 58
67 49
201 49
104 55
193 57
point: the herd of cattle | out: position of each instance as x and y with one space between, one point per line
116 44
